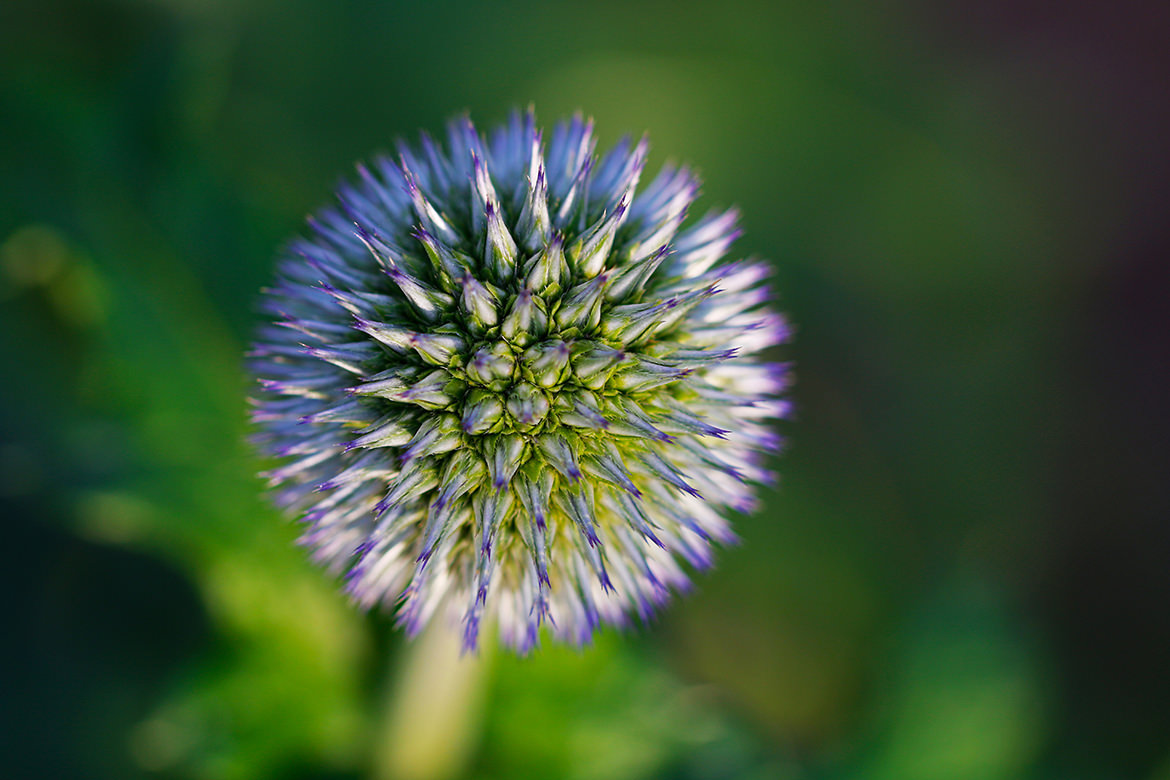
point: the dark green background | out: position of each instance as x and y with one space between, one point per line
964 571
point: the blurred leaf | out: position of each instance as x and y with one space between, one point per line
964 698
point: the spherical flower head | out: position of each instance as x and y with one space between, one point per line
505 384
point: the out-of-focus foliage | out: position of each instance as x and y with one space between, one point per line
962 573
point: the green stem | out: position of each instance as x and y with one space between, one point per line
434 709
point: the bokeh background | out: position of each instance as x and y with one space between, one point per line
964 571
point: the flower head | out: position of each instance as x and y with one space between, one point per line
503 382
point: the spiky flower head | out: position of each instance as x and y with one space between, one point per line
502 382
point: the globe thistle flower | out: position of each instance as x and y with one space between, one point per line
503 382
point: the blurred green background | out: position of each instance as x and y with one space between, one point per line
964 572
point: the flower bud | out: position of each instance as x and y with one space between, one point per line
510 387
527 405
482 412
492 366
546 364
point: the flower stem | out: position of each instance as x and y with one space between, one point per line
434 709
